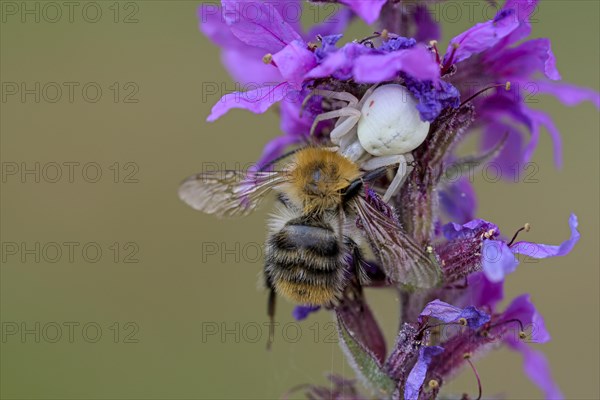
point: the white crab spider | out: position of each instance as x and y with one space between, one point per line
379 130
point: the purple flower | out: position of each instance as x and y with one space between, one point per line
469 230
419 371
519 323
417 62
537 369
301 312
447 313
427 28
498 259
248 30
535 364
458 200
489 53
520 314
433 98
477 245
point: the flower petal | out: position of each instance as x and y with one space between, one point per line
417 374
523 310
449 313
339 64
418 62
537 369
432 98
367 10
453 231
294 61
511 154
458 200
483 292
524 60
569 95
332 25
481 37
497 260
248 69
541 119
256 101
427 28
301 312
536 250
258 24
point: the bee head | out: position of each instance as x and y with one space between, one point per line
319 176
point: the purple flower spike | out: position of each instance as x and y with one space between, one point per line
301 312
419 371
535 250
449 313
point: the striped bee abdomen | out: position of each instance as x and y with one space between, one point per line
306 262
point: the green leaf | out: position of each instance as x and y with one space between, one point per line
364 363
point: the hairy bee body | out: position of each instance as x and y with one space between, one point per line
307 259
318 230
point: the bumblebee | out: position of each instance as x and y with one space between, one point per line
317 232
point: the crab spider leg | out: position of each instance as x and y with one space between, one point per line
366 96
330 94
402 160
345 127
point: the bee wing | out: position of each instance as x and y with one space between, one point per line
403 260
228 193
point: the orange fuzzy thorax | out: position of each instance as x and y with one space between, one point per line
317 176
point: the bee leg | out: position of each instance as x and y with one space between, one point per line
271 313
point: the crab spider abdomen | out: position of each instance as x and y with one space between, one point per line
390 122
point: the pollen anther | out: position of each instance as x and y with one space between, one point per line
267 58
522 335
433 384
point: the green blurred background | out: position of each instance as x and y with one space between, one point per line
140 330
